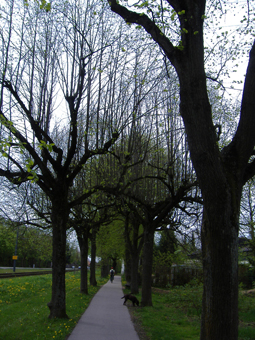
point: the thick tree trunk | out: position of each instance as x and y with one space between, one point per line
147 266
83 243
221 176
220 265
220 297
57 305
221 205
220 227
220 186
132 251
128 251
93 281
127 262
134 272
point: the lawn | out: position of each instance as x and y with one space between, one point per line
24 312
176 314
22 270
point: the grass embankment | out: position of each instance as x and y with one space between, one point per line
176 314
24 312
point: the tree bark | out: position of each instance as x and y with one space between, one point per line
93 281
127 260
60 212
220 269
132 251
147 266
83 243
134 272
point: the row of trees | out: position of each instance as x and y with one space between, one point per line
91 132
69 91
221 172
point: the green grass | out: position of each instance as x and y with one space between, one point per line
22 270
176 314
24 312
246 316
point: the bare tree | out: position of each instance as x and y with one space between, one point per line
53 72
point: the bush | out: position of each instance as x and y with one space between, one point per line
246 276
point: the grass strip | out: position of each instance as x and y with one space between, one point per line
24 312
176 314
22 270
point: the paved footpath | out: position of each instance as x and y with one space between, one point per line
106 318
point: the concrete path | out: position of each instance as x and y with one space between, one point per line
106 318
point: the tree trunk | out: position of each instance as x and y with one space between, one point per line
105 268
220 265
127 261
132 251
220 227
147 266
57 305
219 180
221 208
134 272
83 243
93 281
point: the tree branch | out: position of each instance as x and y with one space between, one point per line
150 26
36 128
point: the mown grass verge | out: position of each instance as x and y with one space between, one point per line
22 270
24 312
176 315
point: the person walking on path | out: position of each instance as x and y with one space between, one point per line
106 318
112 272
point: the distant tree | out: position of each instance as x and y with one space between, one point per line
86 220
34 246
167 241
247 219
7 244
110 242
74 250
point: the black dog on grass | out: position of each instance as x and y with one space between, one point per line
131 298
